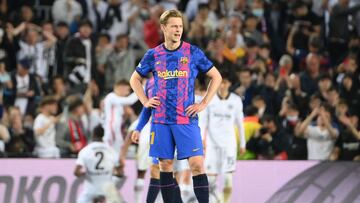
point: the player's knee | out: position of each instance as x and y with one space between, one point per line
197 168
166 165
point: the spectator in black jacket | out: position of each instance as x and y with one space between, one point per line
80 56
25 88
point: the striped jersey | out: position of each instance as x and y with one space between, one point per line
174 74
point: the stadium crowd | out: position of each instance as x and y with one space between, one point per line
294 63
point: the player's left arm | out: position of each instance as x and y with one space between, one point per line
78 172
215 81
240 126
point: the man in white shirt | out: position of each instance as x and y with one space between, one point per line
114 110
44 129
96 162
224 112
320 137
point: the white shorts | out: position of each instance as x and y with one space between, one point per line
219 160
111 195
143 160
49 152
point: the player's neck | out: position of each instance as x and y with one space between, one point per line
223 94
171 45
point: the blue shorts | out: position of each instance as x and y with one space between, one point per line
185 137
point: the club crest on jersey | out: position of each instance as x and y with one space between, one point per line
230 107
184 60
158 62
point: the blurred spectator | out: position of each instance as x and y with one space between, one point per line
95 11
36 49
114 22
324 85
72 134
269 94
25 15
320 137
347 146
120 63
270 142
246 89
59 92
290 115
152 32
310 76
66 11
251 32
44 129
25 88
62 33
80 55
22 141
340 29
4 138
102 51
350 93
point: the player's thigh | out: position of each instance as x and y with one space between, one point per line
230 159
212 160
162 143
188 140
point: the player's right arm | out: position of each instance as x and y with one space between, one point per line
145 66
80 163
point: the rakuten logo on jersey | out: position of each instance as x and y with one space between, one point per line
172 74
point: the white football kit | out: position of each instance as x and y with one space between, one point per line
98 159
114 111
222 115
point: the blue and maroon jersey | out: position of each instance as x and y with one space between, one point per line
174 73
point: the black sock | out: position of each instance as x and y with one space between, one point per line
153 191
201 188
167 186
177 193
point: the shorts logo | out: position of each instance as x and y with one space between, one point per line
158 62
197 149
172 74
184 60
139 66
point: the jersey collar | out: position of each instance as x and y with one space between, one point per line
163 45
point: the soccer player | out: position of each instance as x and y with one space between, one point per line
223 113
175 65
97 162
114 104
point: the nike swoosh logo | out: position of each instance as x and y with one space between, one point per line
194 150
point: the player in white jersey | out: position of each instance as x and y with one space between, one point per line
97 163
223 114
114 110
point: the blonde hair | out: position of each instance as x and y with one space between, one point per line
169 14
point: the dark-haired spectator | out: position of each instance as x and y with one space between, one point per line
320 137
120 63
72 134
66 11
270 142
245 89
290 115
251 32
25 88
22 140
4 138
270 94
347 146
350 93
62 33
80 56
44 129
324 85
23 15
341 15
59 92
114 22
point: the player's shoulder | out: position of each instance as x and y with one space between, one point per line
235 98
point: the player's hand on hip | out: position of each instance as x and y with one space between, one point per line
135 135
194 109
153 102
